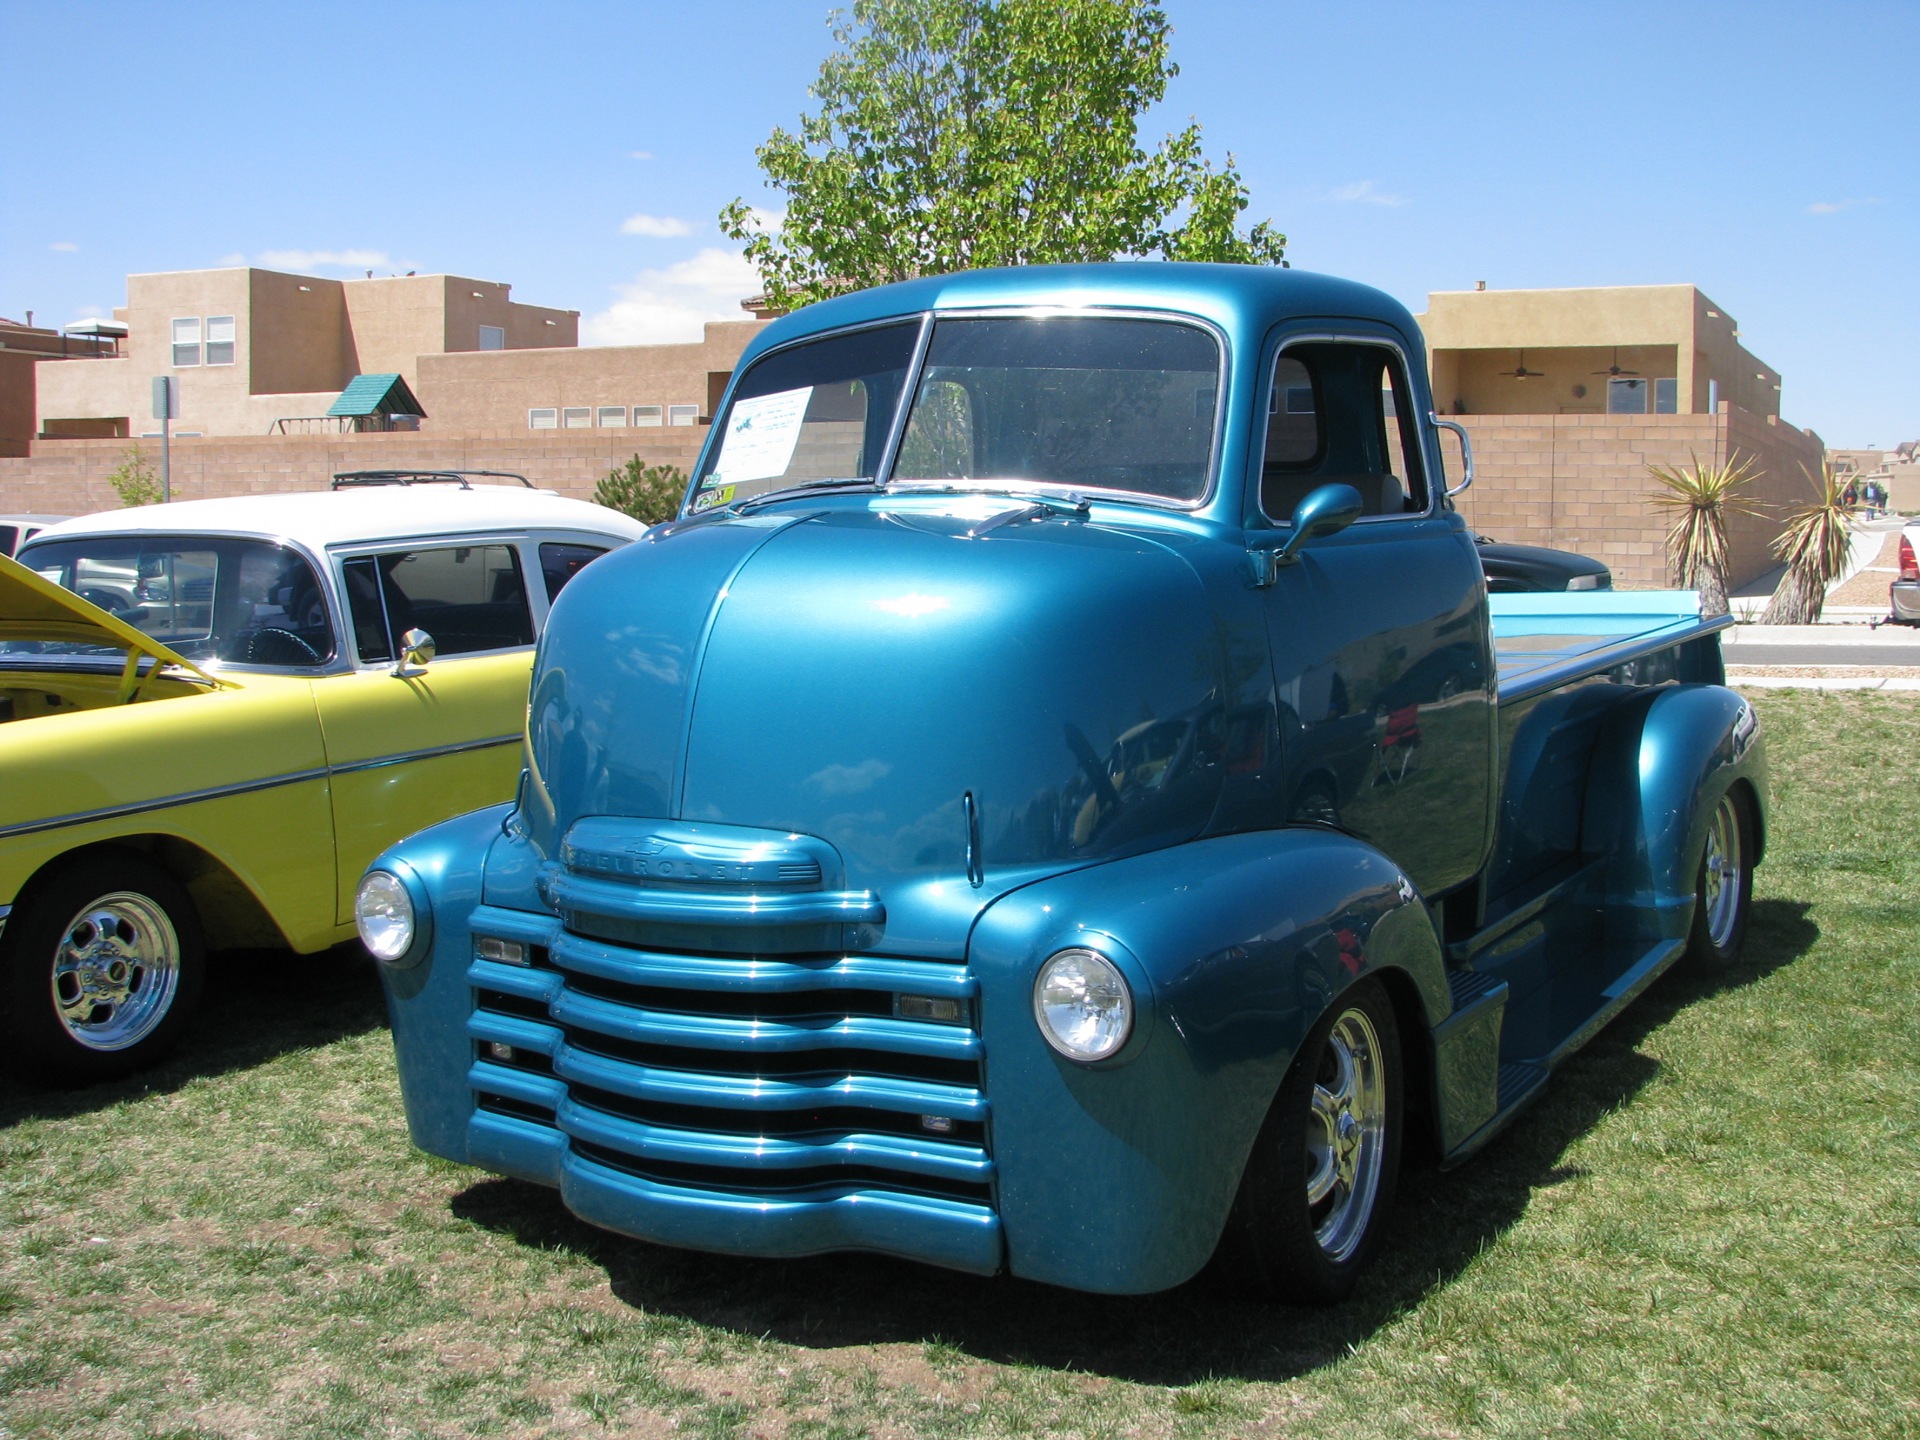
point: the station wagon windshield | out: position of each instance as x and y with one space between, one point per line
1098 404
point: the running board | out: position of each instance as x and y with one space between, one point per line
1520 1082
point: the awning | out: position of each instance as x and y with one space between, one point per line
376 395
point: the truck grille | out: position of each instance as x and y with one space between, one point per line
796 1076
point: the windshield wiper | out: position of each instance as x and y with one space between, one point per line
1071 504
740 507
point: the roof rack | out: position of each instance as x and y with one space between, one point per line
349 479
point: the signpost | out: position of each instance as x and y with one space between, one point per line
166 409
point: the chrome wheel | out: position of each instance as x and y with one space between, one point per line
1346 1134
1721 890
116 970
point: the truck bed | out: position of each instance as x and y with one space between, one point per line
1541 642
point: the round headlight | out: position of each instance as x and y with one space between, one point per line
1083 1005
383 911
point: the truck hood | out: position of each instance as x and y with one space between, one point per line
36 609
953 709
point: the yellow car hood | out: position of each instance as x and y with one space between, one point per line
32 608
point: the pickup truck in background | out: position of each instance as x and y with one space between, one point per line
1060 801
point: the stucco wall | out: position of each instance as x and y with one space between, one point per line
68 477
1579 482
16 400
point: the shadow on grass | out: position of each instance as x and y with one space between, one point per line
1202 1329
258 1004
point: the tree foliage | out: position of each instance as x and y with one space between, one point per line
648 493
1814 547
953 134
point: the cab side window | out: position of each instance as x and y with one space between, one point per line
1342 413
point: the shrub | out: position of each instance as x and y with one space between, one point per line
134 479
649 493
1814 548
1701 498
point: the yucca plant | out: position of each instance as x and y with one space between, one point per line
1814 548
1701 498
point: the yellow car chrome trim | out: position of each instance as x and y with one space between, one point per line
248 787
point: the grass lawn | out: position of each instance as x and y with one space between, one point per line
1709 1226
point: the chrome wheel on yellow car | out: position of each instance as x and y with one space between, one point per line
103 963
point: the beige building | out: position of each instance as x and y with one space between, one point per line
1570 395
251 349
1613 350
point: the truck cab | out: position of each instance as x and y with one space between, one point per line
1060 800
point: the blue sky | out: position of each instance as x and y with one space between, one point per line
1764 152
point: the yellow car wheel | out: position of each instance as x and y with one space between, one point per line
100 969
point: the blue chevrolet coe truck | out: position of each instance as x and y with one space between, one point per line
1059 801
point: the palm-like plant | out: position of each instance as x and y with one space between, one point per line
1701 498
1814 547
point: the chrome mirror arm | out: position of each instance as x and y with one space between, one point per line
1466 449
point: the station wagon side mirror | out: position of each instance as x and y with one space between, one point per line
417 650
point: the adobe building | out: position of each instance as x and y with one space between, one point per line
23 346
256 350
1570 395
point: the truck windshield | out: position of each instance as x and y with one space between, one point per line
810 413
1086 403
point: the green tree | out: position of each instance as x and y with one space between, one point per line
649 493
134 479
960 133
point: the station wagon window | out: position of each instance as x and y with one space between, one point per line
559 563
1081 403
245 602
1342 412
469 598
811 412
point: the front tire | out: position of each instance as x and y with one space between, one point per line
1322 1174
101 967
1723 890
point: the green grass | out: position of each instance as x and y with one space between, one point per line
1709 1226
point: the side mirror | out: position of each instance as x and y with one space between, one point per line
1324 510
417 650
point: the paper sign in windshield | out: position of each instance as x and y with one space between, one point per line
761 434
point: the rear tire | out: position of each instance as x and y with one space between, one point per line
1723 889
1322 1174
101 967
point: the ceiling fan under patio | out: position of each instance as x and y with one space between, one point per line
1614 371
1520 371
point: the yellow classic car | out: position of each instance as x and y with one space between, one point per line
214 713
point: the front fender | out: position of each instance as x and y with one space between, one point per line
1118 1176
1658 771
428 1001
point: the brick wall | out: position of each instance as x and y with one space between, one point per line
69 477
1580 482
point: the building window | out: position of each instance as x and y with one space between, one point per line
1666 395
186 342
646 414
220 339
493 337
576 417
683 414
546 418
1626 397
611 417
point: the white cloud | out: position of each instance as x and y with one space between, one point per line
234 259
657 227
641 154
64 245
325 259
1363 192
671 304
768 221
1834 207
